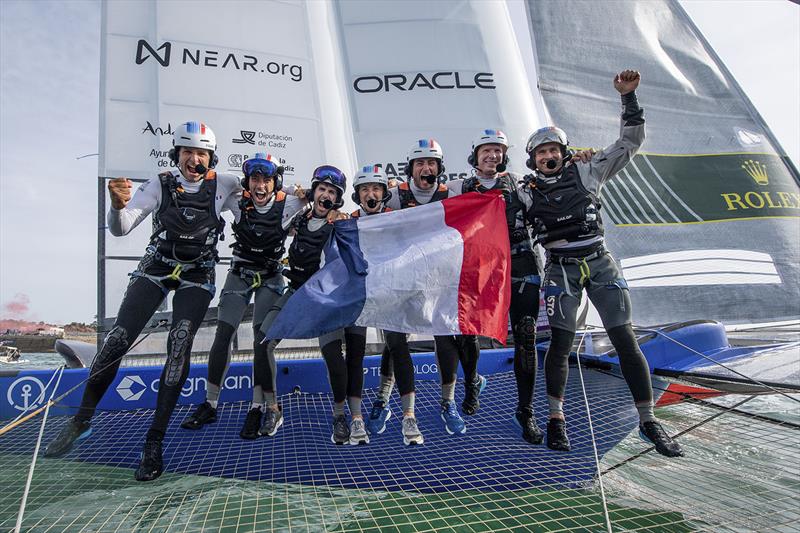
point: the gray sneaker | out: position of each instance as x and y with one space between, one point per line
358 432
411 432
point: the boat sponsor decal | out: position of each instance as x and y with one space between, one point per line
219 58
411 81
131 388
662 189
26 393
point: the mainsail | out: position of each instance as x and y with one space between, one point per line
705 219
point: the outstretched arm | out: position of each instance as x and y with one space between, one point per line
612 159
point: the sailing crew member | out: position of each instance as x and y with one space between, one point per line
424 170
311 229
489 158
564 210
346 374
260 230
186 205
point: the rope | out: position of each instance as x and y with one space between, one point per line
25 493
591 432
684 432
729 369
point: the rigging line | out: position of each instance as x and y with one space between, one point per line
41 394
756 416
11 425
25 493
684 432
594 442
688 397
729 369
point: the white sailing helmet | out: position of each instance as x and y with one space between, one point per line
195 135
549 134
488 137
371 174
425 148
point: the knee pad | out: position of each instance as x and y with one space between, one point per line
525 337
180 342
114 347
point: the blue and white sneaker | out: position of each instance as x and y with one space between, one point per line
378 415
453 422
472 392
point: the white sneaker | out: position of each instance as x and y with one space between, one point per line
358 432
411 432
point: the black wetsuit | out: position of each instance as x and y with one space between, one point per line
181 257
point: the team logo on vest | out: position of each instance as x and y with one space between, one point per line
131 388
757 171
26 393
188 214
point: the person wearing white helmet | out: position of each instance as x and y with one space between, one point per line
424 169
260 231
186 204
564 210
311 229
489 158
371 191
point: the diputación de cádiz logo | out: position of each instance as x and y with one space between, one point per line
757 171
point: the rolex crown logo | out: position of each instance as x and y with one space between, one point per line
757 171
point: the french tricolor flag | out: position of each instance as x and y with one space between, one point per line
439 269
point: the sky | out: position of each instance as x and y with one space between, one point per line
49 93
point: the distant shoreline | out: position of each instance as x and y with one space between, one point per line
45 343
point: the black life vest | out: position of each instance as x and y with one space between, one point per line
507 185
305 252
186 226
564 209
259 236
407 197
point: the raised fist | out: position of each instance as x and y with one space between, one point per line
626 81
120 191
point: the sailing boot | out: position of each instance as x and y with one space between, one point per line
72 431
151 464
252 423
205 414
527 423
472 392
557 435
653 433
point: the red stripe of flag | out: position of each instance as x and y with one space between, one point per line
484 290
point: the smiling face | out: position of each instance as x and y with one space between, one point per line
548 152
488 157
424 166
261 188
189 158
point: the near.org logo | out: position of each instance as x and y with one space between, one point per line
141 57
216 59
